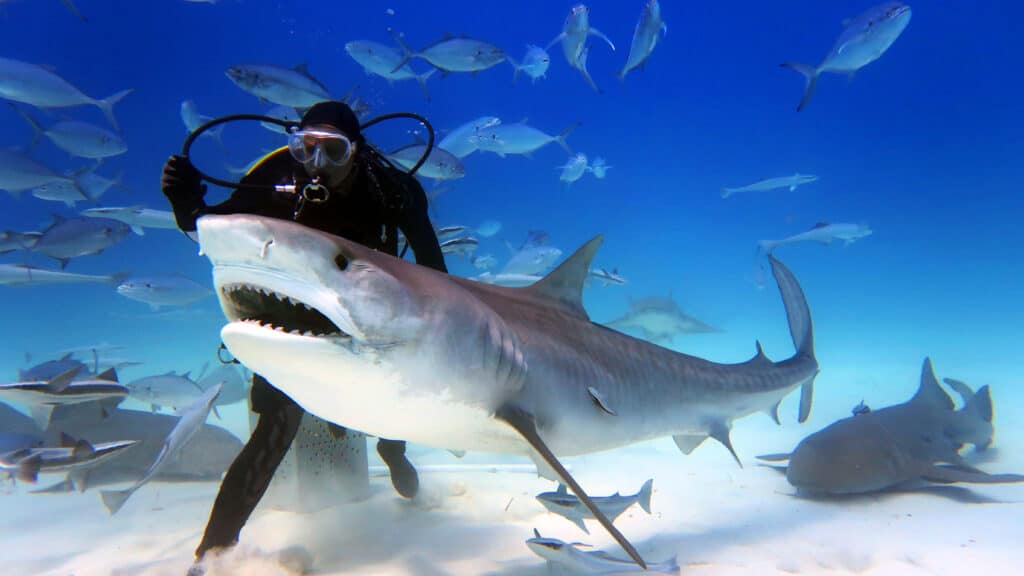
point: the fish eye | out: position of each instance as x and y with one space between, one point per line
341 262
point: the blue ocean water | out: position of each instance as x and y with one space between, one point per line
923 145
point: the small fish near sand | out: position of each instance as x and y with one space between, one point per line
564 556
919 440
567 505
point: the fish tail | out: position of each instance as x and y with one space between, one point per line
565 134
422 79
107 106
726 192
37 130
800 326
115 499
809 72
407 54
644 496
28 469
515 68
766 246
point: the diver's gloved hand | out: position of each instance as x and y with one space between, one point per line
183 187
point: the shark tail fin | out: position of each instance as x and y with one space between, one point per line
800 326
811 74
981 404
644 497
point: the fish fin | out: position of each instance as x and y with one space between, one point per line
83 448
28 468
800 327
557 39
407 54
565 134
577 520
561 489
107 106
809 72
109 374
773 411
929 392
524 423
63 262
61 487
720 431
726 192
457 453
565 283
950 474
599 400
60 382
79 479
687 443
74 10
515 68
582 67
644 496
595 32
792 188
138 230
422 80
115 499
776 457
37 130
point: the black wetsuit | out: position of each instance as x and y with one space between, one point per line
380 200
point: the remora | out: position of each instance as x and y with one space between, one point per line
355 336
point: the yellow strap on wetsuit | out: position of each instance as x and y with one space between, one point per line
263 160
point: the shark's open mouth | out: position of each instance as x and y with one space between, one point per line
248 303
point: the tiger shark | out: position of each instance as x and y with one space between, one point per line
396 350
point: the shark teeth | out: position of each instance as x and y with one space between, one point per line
282 313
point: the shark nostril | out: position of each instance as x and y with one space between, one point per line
341 261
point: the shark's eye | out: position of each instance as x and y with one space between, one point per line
341 261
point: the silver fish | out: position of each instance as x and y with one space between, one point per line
288 86
574 169
573 37
68 238
82 139
568 556
190 420
164 290
658 319
461 142
136 217
606 278
508 279
35 85
645 37
531 260
518 138
384 61
764 184
42 396
192 119
74 457
170 389
568 506
599 168
864 40
488 228
823 233
463 246
18 173
453 54
535 63
440 165
23 274
484 262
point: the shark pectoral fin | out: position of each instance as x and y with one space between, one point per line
773 411
806 398
777 457
523 422
41 415
59 488
720 431
115 499
949 475
687 443
78 480
60 382
578 521
600 401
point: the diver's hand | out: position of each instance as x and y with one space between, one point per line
183 187
181 182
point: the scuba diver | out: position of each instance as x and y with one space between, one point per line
331 179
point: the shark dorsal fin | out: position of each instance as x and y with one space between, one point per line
759 359
819 225
565 283
929 392
109 374
561 489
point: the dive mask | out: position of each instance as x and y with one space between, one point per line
319 148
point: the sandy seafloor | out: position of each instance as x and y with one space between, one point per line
715 517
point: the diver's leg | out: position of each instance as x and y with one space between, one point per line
403 475
250 474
